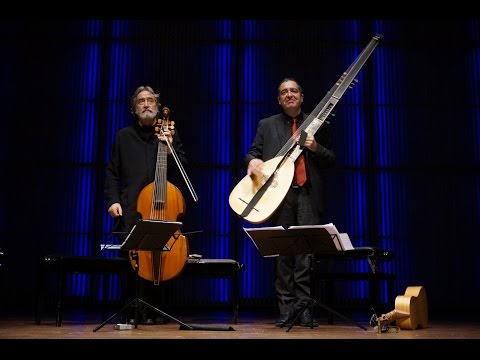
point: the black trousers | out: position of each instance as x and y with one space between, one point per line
292 283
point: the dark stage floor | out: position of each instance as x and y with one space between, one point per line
213 331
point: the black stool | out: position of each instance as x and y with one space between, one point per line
374 256
64 264
227 268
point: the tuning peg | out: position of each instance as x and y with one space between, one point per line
352 84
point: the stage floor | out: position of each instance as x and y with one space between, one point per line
214 328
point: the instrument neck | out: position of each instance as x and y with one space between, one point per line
160 184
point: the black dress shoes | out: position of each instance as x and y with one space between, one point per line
306 319
283 319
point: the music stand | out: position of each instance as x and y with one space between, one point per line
147 235
276 241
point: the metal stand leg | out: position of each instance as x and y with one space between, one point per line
312 302
137 302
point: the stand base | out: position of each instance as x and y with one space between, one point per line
136 303
207 327
312 302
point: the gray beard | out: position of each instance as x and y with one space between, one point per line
146 118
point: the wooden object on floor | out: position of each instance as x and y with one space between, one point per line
411 310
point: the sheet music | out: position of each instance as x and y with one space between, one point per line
110 246
264 228
296 240
345 242
332 230
341 240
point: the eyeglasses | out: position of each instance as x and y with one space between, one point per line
149 101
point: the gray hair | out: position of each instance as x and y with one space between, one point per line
133 99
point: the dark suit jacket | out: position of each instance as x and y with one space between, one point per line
274 132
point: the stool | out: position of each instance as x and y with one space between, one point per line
227 268
374 256
64 264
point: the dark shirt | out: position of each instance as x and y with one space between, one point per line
132 165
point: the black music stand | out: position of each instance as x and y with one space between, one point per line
276 241
147 235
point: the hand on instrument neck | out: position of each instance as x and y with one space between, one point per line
164 136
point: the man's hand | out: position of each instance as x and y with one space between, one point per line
115 210
255 167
